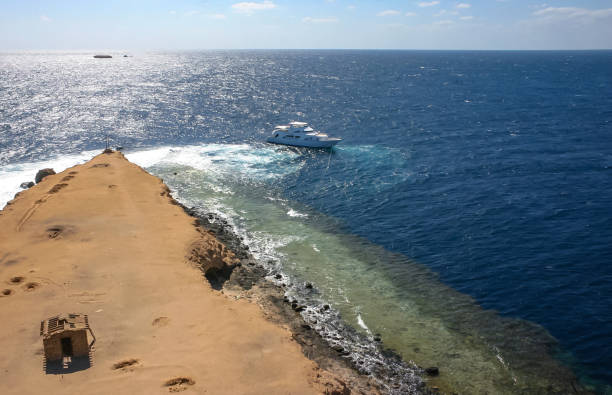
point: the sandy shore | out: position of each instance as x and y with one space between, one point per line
105 239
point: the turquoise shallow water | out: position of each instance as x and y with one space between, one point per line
464 179
374 290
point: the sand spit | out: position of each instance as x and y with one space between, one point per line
106 239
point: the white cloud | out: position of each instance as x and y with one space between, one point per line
466 18
538 6
388 13
428 3
568 28
217 16
319 20
564 13
395 25
172 12
410 14
445 12
248 7
350 7
463 5
45 18
444 22
192 13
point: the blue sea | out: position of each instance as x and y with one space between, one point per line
466 216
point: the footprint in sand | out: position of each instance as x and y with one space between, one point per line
57 187
178 384
126 365
31 286
73 172
161 321
99 165
54 231
6 292
17 279
67 178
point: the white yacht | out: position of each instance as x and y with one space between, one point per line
301 135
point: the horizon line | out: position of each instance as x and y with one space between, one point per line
305 49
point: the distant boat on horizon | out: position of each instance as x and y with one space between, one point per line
102 56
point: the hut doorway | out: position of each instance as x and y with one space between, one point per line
67 347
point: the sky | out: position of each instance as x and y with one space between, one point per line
135 25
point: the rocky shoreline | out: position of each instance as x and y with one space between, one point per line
361 362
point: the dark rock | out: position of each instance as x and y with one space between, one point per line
42 174
108 151
299 308
119 148
432 371
306 326
26 185
340 350
278 276
326 307
308 285
377 338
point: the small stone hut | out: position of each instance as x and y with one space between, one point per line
65 335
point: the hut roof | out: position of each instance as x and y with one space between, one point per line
63 322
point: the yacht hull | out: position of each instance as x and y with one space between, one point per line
311 144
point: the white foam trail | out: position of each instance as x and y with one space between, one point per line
293 213
12 175
222 159
362 324
149 158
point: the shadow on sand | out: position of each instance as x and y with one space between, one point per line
75 364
